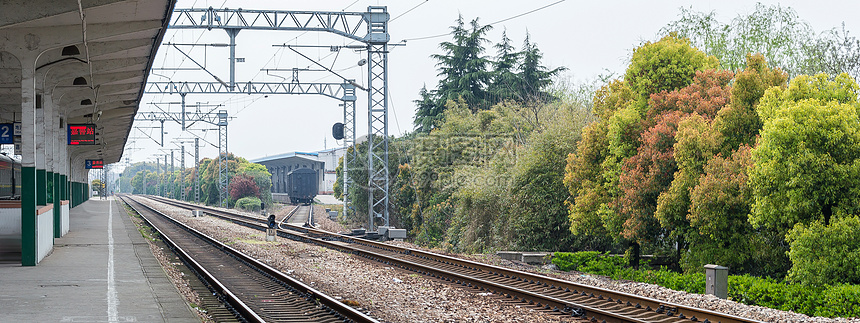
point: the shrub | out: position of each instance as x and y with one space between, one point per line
829 301
568 261
243 186
249 203
825 255
841 301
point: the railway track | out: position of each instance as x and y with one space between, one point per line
253 291
542 292
300 216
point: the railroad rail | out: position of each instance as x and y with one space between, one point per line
301 215
254 291
546 293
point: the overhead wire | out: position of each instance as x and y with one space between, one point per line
490 24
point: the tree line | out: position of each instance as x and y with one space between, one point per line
249 183
721 143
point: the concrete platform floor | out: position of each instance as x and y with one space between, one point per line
101 271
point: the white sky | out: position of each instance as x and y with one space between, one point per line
587 37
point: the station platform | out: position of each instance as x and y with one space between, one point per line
101 271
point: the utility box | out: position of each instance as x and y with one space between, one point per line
383 230
717 281
396 234
196 213
271 234
332 215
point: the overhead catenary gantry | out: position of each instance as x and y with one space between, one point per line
370 28
219 119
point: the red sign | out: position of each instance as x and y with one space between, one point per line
82 134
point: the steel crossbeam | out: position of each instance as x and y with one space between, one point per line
346 24
332 90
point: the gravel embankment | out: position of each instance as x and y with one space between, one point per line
653 291
386 293
395 295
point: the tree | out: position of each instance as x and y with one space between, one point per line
585 182
807 163
778 33
645 176
97 185
738 123
505 82
242 186
836 53
262 178
719 206
428 112
462 68
534 78
666 65
537 190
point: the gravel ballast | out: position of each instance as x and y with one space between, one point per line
395 295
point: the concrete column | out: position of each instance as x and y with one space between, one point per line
63 158
29 225
41 175
51 116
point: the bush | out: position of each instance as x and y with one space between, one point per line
249 203
841 301
825 255
829 301
568 261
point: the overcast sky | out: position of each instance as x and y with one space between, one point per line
587 37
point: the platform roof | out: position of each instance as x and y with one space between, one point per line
116 42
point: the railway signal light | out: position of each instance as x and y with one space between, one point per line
272 224
337 131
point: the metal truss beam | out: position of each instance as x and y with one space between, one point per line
210 118
346 24
332 90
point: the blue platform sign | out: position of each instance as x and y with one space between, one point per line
7 133
94 164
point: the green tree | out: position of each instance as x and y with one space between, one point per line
738 123
667 65
537 191
534 78
462 68
505 82
262 178
428 111
807 163
826 254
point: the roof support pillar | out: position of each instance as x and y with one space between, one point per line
29 223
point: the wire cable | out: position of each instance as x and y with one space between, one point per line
490 24
407 11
